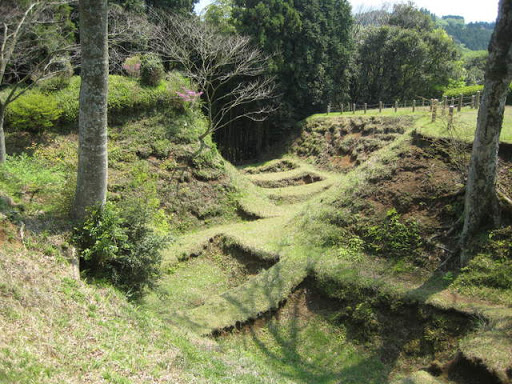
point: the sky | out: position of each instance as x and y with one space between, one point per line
472 10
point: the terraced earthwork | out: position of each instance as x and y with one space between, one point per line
262 290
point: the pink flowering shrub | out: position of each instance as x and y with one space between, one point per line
189 95
132 66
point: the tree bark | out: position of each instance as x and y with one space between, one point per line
3 151
91 186
481 205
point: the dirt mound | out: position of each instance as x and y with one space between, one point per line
342 143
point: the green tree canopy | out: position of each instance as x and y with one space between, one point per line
309 41
404 60
183 6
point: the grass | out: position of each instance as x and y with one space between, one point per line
206 289
464 126
305 347
464 122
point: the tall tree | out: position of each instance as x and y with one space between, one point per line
177 6
403 59
36 37
91 186
309 42
481 205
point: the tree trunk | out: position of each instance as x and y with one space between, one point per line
91 186
3 151
481 205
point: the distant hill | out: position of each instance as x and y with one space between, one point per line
474 36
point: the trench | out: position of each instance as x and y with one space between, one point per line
279 166
362 338
219 266
307 178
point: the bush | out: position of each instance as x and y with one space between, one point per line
484 270
132 66
151 70
393 238
125 95
60 81
33 112
121 246
471 90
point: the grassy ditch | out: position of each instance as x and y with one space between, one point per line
353 336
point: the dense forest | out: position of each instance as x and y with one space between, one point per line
474 36
274 191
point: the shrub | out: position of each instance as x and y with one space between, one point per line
60 81
484 270
394 238
132 66
471 90
151 70
33 112
120 246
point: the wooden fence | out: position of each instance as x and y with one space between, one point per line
434 106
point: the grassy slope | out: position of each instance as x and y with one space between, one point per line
464 122
44 308
294 238
56 329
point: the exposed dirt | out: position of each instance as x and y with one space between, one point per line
308 178
340 143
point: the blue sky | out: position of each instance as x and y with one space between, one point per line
472 10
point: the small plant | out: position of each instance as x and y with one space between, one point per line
61 80
121 246
393 238
151 70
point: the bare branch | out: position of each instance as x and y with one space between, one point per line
226 68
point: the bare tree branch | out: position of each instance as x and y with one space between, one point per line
226 68
34 39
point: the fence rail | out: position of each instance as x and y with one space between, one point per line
433 105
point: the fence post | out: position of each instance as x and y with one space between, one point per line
380 106
450 117
431 102
365 107
434 109
422 102
445 104
342 108
473 101
328 108
414 105
461 100
452 101
477 106
354 108
396 105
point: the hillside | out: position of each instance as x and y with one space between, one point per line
328 264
